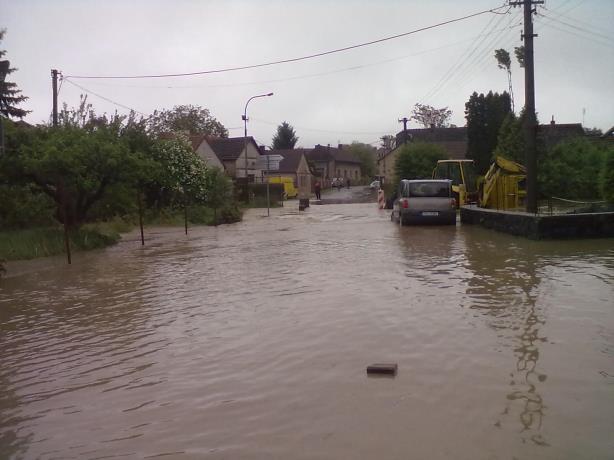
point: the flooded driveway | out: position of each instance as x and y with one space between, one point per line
250 341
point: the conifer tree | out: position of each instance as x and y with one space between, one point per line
10 95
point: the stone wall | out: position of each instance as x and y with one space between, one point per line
590 225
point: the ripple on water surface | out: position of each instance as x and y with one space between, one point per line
251 341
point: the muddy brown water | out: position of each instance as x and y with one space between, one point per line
251 341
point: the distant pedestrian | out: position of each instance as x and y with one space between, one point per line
348 182
318 189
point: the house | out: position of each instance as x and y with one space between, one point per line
453 140
329 162
236 159
294 165
202 148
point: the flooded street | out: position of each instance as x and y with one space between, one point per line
250 341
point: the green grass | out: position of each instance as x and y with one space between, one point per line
42 242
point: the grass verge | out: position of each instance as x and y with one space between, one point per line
42 242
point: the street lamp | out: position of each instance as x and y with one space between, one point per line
245 122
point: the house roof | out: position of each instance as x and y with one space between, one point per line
553 133
291 161
327 153
229 149
197 139
434 134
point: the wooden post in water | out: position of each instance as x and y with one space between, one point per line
185 215
140 203
65 220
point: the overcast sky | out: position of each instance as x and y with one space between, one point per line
355 95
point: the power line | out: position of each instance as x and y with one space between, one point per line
468 64
371 133
462 58
102 97
560 29
284 61
581 29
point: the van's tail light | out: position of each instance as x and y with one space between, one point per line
453 202
405 202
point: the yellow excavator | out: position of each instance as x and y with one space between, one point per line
504 185
501 188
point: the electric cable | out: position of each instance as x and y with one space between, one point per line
103 97
284 61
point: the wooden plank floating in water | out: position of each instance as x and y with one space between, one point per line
382 369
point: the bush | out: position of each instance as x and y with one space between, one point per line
21 207
607 177
572 170
417 160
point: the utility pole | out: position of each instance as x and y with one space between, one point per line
61 188
404 120
530 123
54 86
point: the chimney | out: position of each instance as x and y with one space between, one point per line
552 122
340 146
262 148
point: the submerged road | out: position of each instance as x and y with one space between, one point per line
250 341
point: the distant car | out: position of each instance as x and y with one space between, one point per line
337 182
424 202
374 185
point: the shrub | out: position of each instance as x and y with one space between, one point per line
417 160
607 177
572 170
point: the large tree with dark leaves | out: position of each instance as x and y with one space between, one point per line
10 95
285 138
484 115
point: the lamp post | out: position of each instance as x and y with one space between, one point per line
245 133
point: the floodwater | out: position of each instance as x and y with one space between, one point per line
251 341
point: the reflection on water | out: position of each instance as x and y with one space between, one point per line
505 286
251 340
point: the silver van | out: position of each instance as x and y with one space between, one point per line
424 202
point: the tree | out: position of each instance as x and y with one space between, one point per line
417 160
10 95
74 164
219 191
285 138
573 170
607 177
485 116
388 142
510 141
429 116
182 172
504 62
192 119
366 154
519 52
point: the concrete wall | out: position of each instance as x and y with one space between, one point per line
590 225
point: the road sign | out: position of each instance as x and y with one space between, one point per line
269 162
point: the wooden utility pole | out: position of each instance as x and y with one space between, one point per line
62 189
530 122
54 86
404 120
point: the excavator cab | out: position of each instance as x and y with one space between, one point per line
463 176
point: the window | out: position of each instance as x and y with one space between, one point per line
429 189
455 173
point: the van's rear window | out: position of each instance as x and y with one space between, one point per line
429 189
